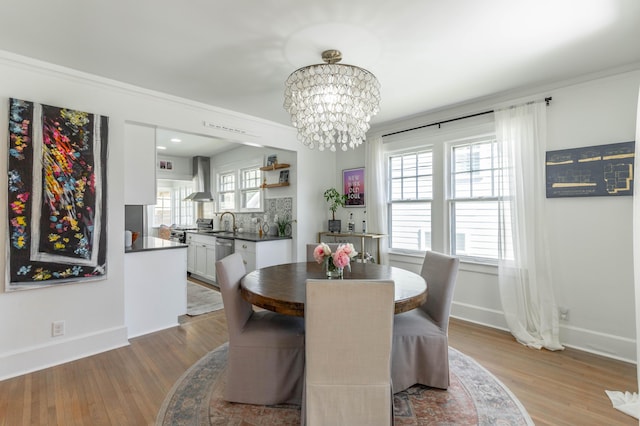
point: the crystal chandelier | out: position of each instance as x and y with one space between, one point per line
331 104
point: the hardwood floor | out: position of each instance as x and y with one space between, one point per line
557 388
126 386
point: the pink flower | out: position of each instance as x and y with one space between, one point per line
348 249
341 258
320 252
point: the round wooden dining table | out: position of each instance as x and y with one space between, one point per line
282 288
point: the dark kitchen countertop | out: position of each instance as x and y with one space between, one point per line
152 243
245 236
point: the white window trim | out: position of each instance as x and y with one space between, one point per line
219 192
439 139
398 152
236 169
449 200
241 190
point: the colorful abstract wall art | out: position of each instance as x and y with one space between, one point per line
57 167
353 187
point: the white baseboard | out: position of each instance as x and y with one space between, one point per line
479 315
13 364
607 345
153 330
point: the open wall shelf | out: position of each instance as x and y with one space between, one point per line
275 166
274 185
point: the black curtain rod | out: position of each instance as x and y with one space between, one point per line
546 100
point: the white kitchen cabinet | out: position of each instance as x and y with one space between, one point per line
201 255
155 290
139 164
261 254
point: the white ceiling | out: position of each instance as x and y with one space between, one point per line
427 54
178 144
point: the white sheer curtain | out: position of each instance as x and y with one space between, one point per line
526 290
636 238
376 200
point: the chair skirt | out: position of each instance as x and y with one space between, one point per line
266 364
420 352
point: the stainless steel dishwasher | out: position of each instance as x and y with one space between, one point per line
224 247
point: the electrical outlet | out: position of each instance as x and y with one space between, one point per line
57 328
563 313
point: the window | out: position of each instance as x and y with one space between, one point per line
250 193
162 209
410 197
227 191
170 206
473 203
239 190
443 191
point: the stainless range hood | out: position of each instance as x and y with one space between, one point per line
201 179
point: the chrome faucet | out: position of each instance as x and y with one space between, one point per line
234 227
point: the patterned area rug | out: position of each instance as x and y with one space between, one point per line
475 397
201 299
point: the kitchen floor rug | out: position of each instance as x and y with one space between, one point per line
475 397
201 300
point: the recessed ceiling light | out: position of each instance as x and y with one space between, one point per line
176 140
161 147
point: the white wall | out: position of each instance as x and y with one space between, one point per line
94 312
589 238
182 168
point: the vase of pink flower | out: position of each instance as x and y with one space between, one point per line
334 263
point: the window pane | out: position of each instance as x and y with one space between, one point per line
475 162
396 189
251 178
482 156
411 176
425 188
409 188
395 167
474 223
250 196
227 182
227 200
425 164
411 191
461 159
482 183
475 229
411 226
251 199
462 185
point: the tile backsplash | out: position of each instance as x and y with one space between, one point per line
274 207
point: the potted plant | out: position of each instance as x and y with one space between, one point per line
284 226
335 200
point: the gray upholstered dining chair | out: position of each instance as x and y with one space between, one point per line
266 350
420 337
311 247
349 325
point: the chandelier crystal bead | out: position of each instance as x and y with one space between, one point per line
331 104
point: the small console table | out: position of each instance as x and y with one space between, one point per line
360 235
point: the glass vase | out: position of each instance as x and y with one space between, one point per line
332 270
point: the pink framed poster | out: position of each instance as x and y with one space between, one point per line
353 187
